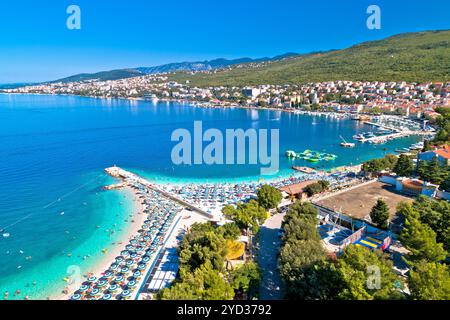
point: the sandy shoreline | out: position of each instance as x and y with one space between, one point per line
115 248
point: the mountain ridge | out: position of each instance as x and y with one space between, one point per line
412 56
169 67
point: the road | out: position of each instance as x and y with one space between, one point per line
269 245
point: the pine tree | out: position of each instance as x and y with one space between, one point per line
380 214
404 166
419 238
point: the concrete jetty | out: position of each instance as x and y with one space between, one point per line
132 179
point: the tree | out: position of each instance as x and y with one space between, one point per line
269 197
298 255
404 166
316 188
319 281
246 278
380 214
429 281
419 238
204 283
435 214
426 146
367 275
432 171
229 231
247 215
445 186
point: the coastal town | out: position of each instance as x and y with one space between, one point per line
413 100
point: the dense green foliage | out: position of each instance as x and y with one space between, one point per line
445 186
418 237
426 227
443 123
269 197
433 171
413 57
374 166
317 187
404 166
202 266
367 275
436 215
247 215
430 281
380 214
204 283
246 278
301 251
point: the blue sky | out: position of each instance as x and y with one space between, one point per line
35 44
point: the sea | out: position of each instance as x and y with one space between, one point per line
54 215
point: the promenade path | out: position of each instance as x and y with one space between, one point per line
271 287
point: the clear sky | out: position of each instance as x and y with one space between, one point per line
35 44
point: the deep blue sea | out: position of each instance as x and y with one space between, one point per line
53 150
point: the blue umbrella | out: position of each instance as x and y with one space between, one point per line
107 297
76 296
113 288
102 283
126 293
84 288
119 278
132 283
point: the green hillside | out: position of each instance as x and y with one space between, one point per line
413 57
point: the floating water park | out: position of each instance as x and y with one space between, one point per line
311 155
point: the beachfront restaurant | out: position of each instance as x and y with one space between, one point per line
296 190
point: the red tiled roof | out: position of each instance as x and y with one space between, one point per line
444 152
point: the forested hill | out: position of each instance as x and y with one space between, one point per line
413 57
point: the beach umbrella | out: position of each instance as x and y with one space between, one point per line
125 270
118 278
131 283
92 279
102 283
113 288
107 297
76 296
129 263
137 274
94 292
141 266
120 259
84 288
114 266
126 294
108 274
125 253
145 259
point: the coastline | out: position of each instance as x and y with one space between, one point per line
103 263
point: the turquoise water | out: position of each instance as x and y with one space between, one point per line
53 150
